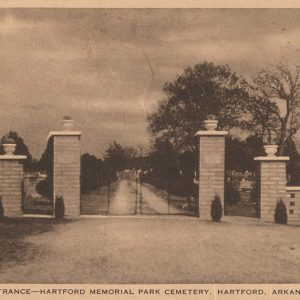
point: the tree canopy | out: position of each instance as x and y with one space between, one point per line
274 109
200 91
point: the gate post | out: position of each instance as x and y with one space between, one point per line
211 168
11 176
272 183
66 168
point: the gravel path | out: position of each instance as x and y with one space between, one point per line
124 200
160 250
130 196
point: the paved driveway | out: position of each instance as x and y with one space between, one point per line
160 250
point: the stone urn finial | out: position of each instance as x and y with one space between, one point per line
271 150
68 123
211 122
9 145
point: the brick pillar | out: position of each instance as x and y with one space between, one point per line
66 170
272 184
11 176
211 169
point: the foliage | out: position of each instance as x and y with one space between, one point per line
239 154
45 164
206 89
293 165
7 140
164 163
216 209
232 195
21 148
189 162
280 215
1 209
92 173
255 194
211 117
273 110
115 156
59 208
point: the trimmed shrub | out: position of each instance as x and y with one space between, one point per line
216 209
1 209
59 208
280 215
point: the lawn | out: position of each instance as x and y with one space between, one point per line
13 248
168 249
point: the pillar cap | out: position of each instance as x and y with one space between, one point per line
292 188
12 157
63 133
272 158
211 133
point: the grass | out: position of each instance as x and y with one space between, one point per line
12 234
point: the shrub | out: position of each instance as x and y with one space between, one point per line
59 208
232 195
216 209
280 215
1 209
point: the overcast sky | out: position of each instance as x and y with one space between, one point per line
106 67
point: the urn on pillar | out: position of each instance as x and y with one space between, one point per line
9 145
270 150
68 123
66 167
11 171
272 185
211 165
211 122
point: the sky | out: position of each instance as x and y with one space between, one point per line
106 67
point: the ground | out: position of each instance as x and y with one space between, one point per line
130 197
165 249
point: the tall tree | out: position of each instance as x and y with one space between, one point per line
91 172
163 161
115 156
45 164
274 110
202 90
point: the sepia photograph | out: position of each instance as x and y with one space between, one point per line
150 146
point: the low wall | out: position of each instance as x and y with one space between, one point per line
292 202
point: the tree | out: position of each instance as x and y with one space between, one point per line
239 154
91 172
59 208
274 110
21 149
115 156
216 210
202 90
280 215
130 152
293 165
163 161
45 164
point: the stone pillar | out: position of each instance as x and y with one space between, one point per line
11 176
272 183
66 169
211 169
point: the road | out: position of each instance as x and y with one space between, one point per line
133 198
